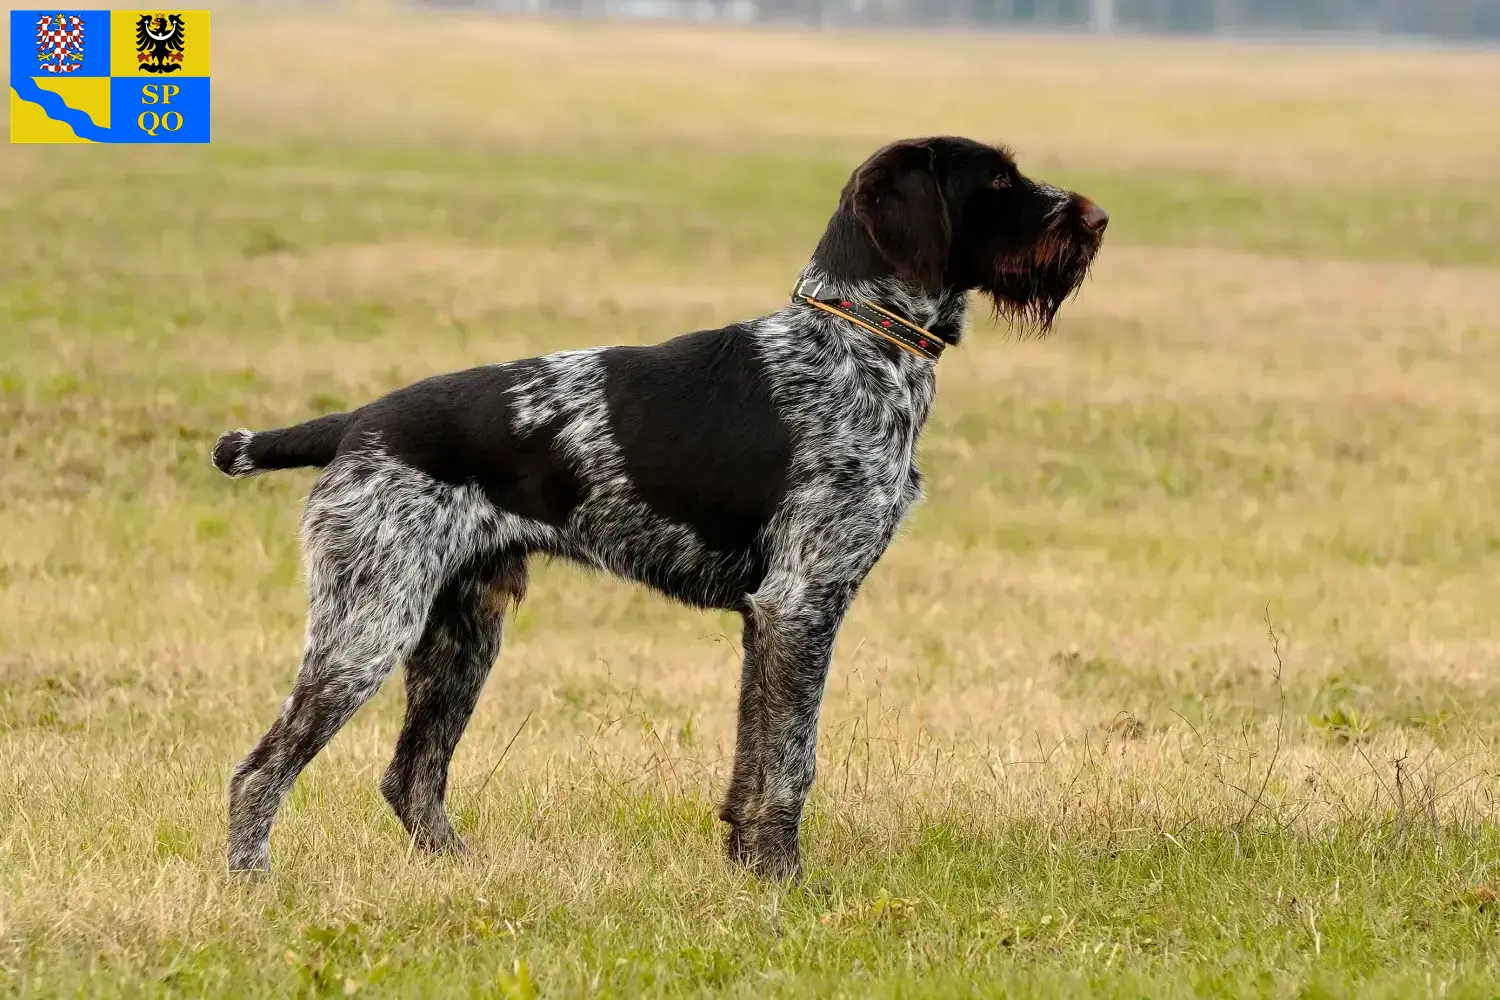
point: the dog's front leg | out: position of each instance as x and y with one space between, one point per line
789 634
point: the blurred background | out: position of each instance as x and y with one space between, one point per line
1184 678
1461 20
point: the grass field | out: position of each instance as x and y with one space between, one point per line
1183 681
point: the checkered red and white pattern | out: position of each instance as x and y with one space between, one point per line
59 42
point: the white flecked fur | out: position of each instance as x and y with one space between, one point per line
382 539
405 567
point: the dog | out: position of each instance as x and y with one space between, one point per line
761 468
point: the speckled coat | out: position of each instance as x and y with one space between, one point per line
762 468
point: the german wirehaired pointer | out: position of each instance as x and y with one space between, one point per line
761 468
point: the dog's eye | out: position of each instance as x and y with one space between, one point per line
1000 183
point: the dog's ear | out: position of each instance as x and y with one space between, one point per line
897 198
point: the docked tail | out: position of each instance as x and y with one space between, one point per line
310 444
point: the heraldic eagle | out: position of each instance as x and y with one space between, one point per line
159 42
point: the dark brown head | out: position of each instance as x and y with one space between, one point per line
947 213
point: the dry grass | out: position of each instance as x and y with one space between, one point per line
1061 751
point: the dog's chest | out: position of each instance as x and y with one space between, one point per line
860 446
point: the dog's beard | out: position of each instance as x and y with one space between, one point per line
1028 287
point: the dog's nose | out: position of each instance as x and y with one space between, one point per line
1094 216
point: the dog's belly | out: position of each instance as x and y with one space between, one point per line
629 540
717 581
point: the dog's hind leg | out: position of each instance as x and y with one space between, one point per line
342 667
444 676
379 550
351 649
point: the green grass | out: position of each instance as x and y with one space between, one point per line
948 914
1180 684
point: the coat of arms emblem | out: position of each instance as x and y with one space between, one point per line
59 43
159 41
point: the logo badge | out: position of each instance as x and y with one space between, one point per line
59 43
116 76
159 42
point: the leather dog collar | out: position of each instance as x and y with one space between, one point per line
873 317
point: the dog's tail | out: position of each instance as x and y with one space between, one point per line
307 445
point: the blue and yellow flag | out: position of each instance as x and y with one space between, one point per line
109 76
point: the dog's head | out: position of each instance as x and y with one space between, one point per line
951 213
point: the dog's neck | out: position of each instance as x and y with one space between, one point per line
847 263
942 314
